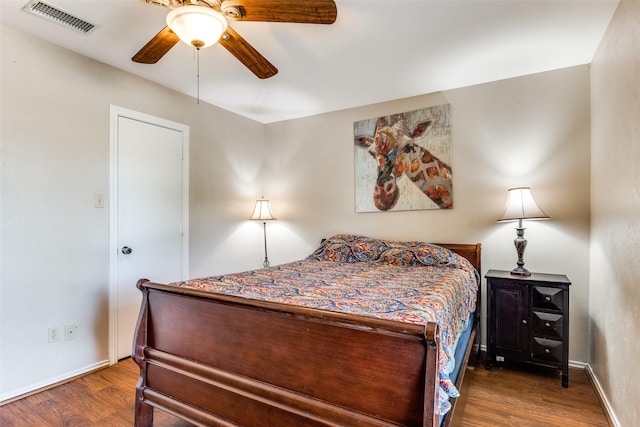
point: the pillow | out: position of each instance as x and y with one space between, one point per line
421 253
349 248
416 253
353 248
443 257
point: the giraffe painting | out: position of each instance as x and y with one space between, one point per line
403 161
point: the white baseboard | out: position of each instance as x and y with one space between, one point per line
579 365
603 397
36 388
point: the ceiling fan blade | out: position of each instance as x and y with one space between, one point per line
157 47
247 54
298 11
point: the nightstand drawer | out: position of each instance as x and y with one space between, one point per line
549 350
549 324
548 298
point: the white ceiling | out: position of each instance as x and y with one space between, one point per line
375 51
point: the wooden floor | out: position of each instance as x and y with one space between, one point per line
527 397
500 397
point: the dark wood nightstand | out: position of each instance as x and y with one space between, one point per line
528 319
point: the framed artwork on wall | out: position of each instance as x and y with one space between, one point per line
403 161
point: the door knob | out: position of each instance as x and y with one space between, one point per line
126 250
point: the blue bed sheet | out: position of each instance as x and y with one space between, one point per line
461 348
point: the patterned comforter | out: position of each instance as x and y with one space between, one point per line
410 282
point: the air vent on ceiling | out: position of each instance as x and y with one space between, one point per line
61 17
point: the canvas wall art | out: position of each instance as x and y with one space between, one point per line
403 161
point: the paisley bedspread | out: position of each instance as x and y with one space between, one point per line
410 282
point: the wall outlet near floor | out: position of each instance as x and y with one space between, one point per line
53 334
70 332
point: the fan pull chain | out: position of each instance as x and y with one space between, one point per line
198 74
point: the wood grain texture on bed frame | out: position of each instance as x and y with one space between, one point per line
220 360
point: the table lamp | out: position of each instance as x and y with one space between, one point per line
520 206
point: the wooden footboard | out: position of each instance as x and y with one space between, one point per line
227 361
217 360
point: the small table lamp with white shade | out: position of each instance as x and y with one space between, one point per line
520 206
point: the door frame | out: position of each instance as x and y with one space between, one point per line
115 113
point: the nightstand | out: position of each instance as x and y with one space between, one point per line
528 319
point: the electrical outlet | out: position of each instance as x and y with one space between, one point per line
70 332
53 334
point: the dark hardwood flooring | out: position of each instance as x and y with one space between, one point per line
500 397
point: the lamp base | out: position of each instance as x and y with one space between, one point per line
266 262
520 271
520 243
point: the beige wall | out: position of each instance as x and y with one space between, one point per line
532 130
615 208
54 134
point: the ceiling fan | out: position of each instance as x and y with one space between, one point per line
188 18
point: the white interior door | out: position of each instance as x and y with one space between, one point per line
149 213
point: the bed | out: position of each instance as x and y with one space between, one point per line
363 332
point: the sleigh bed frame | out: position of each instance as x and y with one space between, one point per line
219 360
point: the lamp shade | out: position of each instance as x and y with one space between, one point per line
197 26
262 211
520 205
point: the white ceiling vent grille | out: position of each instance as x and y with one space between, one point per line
61 17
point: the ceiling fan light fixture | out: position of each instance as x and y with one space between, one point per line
197 26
